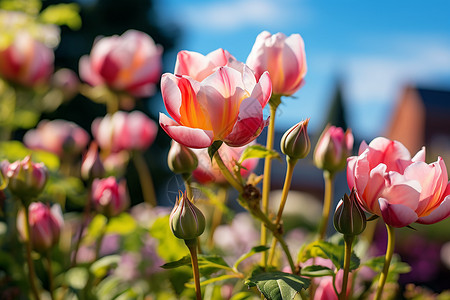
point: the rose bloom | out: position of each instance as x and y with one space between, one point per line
109 197
128 63
227 105
199 66
26 61
58 136
208 171
283 57
124 131
45 225
400 189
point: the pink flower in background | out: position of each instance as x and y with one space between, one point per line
199 66
128 63
333 149
25 178
45 225
109 197
124 131
26 61
58 136
209 172
400 189
227 106
283 57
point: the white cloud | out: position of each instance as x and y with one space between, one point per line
235 14
380 77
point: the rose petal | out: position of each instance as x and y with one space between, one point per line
439 214
396 215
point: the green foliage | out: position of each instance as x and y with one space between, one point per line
101 267
76 277
15 150
258 151
169 247
62 14
316 271
252 251
396 267
278 285
328 250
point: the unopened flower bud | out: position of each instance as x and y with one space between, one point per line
333 149
26 179
181 159
45 225
109 197
295 142
92 166
349 217
186 220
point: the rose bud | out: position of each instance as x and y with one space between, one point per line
295 142
349 217
109 197
181 159
92 166
186 220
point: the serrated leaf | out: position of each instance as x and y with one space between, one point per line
185 261
278 285
316 271
252 251
209 264
258 151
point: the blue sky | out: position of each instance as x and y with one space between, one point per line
374 47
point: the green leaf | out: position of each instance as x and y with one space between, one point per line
258 151
209 264
328 250
62 14
316 271
395 268
214 148
278 285
212 280
169 247
76 277
122 224
185 261
252 251
101 267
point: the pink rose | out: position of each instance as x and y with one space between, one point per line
26 61
109 197
283 57
400 189
128 63
227 105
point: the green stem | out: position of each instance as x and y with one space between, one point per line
187 184
387 261
347 255
266 178
145 178
112 102
328 197
193 250
227 174
286 187
31 273
50 274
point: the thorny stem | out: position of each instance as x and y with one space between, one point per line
328 197
267 177
347 255
287 185
387 261
193 250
